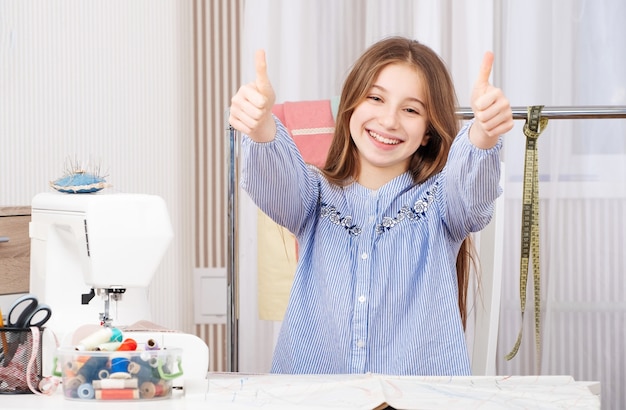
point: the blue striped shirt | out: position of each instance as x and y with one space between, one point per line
375 289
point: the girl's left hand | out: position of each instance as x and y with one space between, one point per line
492 111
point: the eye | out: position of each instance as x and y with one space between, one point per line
412 111
374 98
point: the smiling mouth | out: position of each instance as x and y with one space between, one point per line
382 139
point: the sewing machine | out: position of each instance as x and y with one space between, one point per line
93 257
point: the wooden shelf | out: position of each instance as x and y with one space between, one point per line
14 254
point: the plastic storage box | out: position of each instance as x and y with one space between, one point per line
118 375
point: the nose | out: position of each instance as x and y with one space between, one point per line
389 118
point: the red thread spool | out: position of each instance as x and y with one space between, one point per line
117 394
160 389
150 390
128 345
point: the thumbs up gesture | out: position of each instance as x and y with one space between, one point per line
251 107
492 110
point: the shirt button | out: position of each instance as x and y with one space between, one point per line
364 255
360 344
361 298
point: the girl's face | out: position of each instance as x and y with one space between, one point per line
389 125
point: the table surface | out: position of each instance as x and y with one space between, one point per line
367 391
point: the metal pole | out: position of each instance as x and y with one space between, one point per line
600 111
232 272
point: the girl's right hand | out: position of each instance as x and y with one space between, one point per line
251 107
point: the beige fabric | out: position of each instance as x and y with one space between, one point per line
277 258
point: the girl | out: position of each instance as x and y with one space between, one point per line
382 272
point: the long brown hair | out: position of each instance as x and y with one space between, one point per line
342 164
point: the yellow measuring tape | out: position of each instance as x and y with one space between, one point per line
534 126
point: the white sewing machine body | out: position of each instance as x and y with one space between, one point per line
99 241
103 242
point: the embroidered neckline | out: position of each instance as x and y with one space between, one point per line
330 212
414 213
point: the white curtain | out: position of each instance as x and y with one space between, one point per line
558 53
569 53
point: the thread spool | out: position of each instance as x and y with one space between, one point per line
151 344
70 393
86 391
153 362
117 394
145 356
69 373
143 373
116 384
103 374
168 363
119 368
70 369
89 371
150 390
103 335
134 368
149 358
128 345
73 383
108 347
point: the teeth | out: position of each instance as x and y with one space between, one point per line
382 139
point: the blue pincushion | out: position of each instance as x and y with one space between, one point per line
79 182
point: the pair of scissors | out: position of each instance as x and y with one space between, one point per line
25 313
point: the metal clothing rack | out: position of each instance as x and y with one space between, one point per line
232 310
562 113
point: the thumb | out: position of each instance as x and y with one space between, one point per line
262 80
485 71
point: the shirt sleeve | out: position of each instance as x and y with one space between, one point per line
471 185
278 180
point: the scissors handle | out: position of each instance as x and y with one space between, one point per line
40 320
25 309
